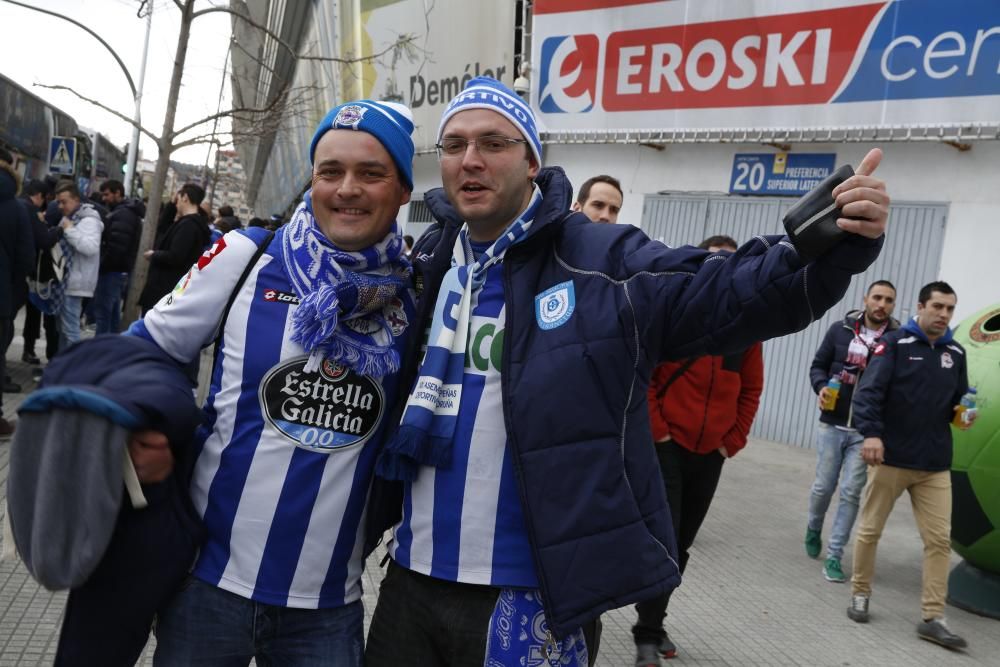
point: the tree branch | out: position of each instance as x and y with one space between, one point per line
284 98
200 139
403 39
97 104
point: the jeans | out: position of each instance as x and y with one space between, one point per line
691 480
930 496
838 455
205 625
69 321
107 302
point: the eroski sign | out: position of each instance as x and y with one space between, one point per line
722 63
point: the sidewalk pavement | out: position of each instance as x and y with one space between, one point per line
750 595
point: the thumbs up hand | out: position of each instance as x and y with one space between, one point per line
863 200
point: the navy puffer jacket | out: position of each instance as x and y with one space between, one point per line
575 394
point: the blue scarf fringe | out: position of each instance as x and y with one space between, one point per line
411 448
335 286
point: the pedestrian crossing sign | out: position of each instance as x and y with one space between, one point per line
62 156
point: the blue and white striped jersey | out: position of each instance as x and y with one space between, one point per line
286 458
464 523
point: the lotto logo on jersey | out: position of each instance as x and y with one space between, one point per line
569 74
276 296
210 254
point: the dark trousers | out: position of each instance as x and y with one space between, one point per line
690 480
33 320
421 621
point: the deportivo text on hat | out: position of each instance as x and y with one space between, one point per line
389 122
484 92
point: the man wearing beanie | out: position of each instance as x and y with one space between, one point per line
528 497
313 321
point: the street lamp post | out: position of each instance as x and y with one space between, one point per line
136 92
133 147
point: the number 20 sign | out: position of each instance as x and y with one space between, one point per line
779 173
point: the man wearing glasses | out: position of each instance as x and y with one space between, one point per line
530 499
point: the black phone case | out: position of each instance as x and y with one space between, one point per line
811 223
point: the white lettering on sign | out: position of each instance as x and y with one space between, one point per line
937 49
705 64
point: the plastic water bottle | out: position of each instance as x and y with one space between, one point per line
832 392
966 409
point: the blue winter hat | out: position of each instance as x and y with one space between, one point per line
389 122
484 92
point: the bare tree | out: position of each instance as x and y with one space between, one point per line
258 121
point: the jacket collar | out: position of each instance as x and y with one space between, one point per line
557 193
854 317
912 327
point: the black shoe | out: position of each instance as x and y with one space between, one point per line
647 655
936 630
667 648
6 428
30 358
858 611
11 388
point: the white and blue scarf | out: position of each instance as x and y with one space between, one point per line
344 295
519 635
425 433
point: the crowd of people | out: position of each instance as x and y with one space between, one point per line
531 410
71 257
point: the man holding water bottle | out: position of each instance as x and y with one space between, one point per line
838 365
904 407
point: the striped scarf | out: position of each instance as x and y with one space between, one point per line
344 296
425 433
859 350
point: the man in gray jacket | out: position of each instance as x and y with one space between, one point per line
81 249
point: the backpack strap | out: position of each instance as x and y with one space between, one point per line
261 248
673 378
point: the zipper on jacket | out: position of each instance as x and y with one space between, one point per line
704 415
628 401
508 420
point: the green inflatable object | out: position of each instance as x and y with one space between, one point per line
975 533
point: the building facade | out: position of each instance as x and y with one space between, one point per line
715 116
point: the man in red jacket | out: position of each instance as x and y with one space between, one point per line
700 411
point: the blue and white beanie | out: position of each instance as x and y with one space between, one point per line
389 122
484 92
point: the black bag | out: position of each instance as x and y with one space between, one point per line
811 223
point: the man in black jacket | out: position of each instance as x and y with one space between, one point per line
35 197
182 243
119 245
843 355
903 407
16 253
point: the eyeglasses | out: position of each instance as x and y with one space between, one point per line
491 144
